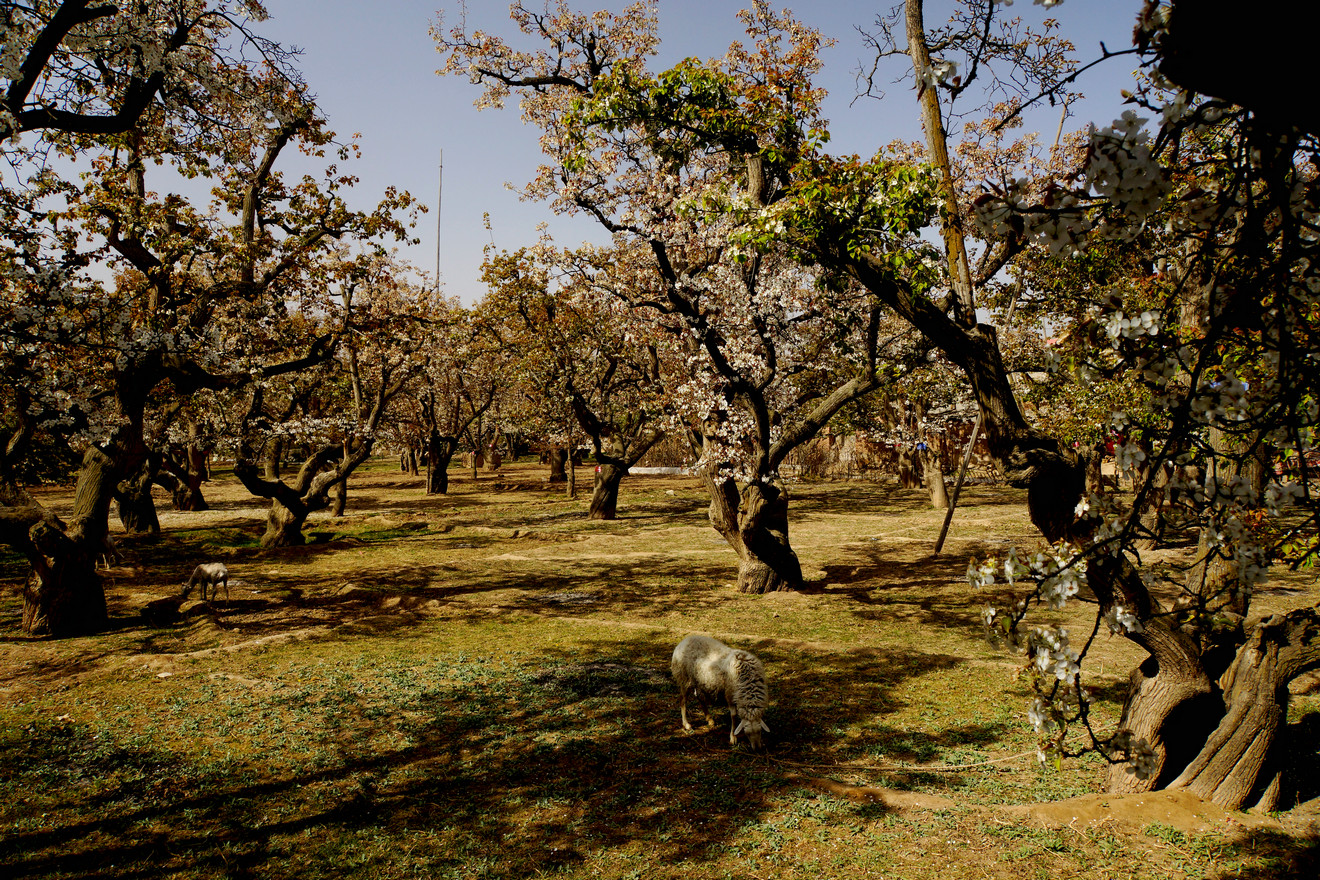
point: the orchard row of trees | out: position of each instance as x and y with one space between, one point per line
1172 268
1157 285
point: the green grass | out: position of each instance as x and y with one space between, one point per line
493 702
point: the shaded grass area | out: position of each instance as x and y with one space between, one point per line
476 686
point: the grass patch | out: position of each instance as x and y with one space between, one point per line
475 685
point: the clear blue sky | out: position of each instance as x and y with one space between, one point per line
372 66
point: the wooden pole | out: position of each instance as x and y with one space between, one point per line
957 487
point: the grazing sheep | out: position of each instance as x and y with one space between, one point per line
708 669
208 574
109 553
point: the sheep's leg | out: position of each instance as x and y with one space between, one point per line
682 707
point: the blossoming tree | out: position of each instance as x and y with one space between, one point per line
685 166
194 286
331 413
1227 357
581 350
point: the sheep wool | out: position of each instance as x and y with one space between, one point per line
208 574
708 669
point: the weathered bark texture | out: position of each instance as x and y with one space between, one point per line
1238 765
1172 705
284 522
64 595
754 520
137 509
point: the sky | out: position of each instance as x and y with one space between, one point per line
372 65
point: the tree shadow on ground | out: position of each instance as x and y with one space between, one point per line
523 770
880 585
858 497
1274 856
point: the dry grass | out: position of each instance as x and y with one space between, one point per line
475 686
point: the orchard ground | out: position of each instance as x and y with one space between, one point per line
476 685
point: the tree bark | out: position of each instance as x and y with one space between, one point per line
338 498
188 463
1238 766
284 523
909 466
558 458
933 475
439 453
64 595
932 121
137 509
605 491
754 520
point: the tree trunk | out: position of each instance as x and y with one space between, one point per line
909 468
272 461
605 491
754 520
137 509
190 468
557 458
1239 765
439 453
284 525
1173 708
64 595
933 475
571 468
338 498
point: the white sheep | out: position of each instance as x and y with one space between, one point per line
708 669
208 574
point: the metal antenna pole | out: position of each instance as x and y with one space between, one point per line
439 195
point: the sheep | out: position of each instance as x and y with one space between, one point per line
208 574
707 669
109 553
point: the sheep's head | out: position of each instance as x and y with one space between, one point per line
750 722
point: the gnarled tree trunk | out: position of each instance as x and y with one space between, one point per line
1171 704
64 595
754 520
137 509
188 466
1238 765
284 523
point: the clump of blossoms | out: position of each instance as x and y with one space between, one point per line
1123 185
1053 665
